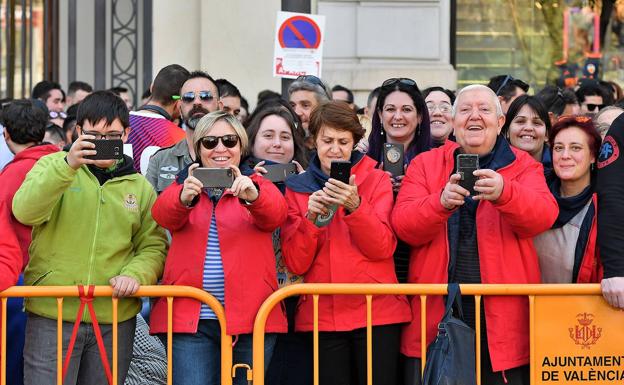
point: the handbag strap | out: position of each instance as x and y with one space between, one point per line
453 298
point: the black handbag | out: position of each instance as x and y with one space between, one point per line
451 357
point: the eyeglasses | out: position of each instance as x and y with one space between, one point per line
210 142
517 82
592 107
444 108
393 81
57 114
311 79
109 136
189 97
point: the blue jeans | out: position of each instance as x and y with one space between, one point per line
197 356
85 366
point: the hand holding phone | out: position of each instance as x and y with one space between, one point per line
393 159
106 149
341 189
279 172
192 187
467 164
214 177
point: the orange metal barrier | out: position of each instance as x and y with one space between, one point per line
106 291
421 290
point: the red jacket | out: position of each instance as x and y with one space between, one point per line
11 179
506 253
590 270
245 236
354 248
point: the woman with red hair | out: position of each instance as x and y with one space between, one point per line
567 252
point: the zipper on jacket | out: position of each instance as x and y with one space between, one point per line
95 235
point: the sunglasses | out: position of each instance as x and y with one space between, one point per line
393 81
55 114
311 79
189 97
210 142
518 83
592 107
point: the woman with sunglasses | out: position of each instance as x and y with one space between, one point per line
401 117
207 226
526 127
567 252
340 232
440 105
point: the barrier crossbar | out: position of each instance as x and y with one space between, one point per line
421 290
170 292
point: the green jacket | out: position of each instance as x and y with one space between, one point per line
85 234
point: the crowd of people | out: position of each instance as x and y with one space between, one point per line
544 208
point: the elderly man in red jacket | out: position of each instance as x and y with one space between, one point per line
480 238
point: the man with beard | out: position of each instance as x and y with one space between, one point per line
199 95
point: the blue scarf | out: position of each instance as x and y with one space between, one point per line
314 178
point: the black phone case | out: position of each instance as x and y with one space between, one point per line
214 177
466 165
106 149
393 159
279 172
340 170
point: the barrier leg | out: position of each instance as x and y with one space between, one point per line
423 333
369 339
59 342
315 299
478 334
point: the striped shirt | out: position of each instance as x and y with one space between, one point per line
213 279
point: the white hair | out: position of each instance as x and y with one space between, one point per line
476 87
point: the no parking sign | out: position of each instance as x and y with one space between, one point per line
298 44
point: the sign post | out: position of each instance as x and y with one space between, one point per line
298 45
578 339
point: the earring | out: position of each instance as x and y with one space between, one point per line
592 167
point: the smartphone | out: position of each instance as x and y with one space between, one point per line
279 172
466 165
393 159
106 149
340 170
214 177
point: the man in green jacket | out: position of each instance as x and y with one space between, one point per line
92 225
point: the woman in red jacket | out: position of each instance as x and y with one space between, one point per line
354 245
455 237
567 252
221 242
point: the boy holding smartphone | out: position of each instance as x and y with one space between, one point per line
92 225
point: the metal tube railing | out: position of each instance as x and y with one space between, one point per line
423 290
170 292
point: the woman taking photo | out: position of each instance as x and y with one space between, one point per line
440 105
344 251
401 117
527 126
275 139
207 225
567 252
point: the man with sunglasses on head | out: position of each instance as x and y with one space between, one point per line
199 95
304 94
507 89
